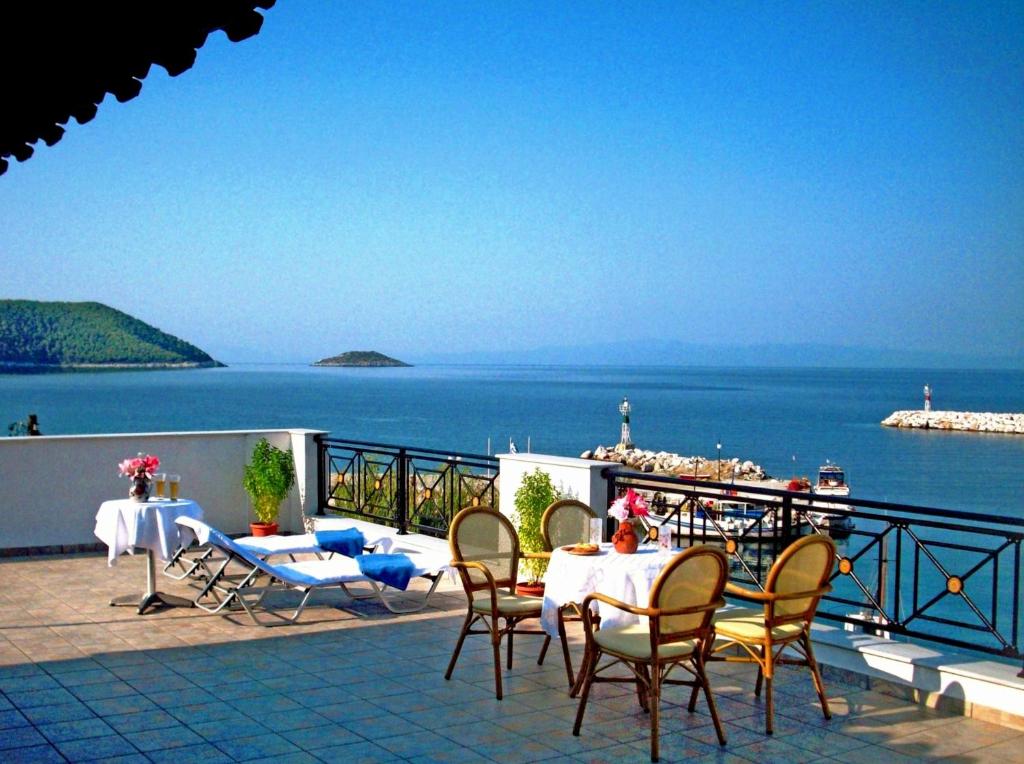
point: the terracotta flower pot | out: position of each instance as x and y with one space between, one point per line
625 538
525 589
263 529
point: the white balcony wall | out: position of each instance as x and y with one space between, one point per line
573 478
51 486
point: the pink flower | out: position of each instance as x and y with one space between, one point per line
147 464
630 505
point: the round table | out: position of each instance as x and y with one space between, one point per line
626 577
125 525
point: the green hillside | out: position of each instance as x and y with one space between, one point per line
84 334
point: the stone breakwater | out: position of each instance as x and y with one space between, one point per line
961 421
665 463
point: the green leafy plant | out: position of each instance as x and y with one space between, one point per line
268 478
535 494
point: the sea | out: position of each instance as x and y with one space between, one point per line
789 421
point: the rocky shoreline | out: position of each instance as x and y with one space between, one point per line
959 421
665 463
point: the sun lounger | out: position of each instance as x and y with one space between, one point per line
225 589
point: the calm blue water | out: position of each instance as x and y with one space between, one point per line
766 415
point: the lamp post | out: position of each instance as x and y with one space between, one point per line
624 408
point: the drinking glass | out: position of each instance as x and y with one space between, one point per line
665 540
161 481
174 481
596 527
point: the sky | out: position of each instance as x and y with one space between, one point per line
425 178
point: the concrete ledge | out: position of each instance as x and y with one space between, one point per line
956 682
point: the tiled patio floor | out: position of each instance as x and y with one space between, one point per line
82 681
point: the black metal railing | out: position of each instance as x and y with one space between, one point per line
942 575
413 489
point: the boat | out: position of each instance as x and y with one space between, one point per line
832 482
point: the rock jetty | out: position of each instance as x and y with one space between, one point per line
960 421
665 463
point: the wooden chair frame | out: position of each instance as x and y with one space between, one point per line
491 620
652 674
767 651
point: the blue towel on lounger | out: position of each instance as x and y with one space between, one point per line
349 542
391 569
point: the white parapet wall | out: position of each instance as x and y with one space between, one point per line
574 478
51 486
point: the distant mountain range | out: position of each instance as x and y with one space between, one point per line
675 353
37 334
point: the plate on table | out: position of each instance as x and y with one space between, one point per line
582 549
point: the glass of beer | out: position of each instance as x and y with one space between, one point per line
174 481
161 481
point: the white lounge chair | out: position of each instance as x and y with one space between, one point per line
224 589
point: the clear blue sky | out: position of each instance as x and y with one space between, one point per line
486 176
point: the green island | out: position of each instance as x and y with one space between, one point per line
85 335
360 358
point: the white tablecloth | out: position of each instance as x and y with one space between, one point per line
123 525
626 577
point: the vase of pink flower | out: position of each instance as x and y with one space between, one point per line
624 509
140 471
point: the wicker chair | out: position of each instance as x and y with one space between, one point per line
564 522
795 585
683 600
485 551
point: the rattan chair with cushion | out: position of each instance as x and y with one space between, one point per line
796 583
485 551
678 630
565 522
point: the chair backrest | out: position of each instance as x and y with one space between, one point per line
566 521
804 566
207 534
482 534
693 578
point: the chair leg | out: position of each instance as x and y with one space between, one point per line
584 670
496 647
705 682
816 675
458 645
590 664
543 650
768 702
704 653
654 700
510 625
643 687
565 649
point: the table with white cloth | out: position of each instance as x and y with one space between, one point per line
626 577
125 525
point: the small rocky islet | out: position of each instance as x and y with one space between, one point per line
361 358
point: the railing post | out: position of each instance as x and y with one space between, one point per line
403 494
787 518
612 491
323 474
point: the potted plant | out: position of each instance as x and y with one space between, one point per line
535 494
268 478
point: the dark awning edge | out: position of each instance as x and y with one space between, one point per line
66 63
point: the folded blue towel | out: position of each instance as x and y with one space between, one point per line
391 569
349 542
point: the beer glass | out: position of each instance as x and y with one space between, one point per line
596 530
161 481
174 481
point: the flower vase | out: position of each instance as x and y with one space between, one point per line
625 538
139 490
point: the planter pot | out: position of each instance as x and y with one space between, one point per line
625 538
263 529
524 589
